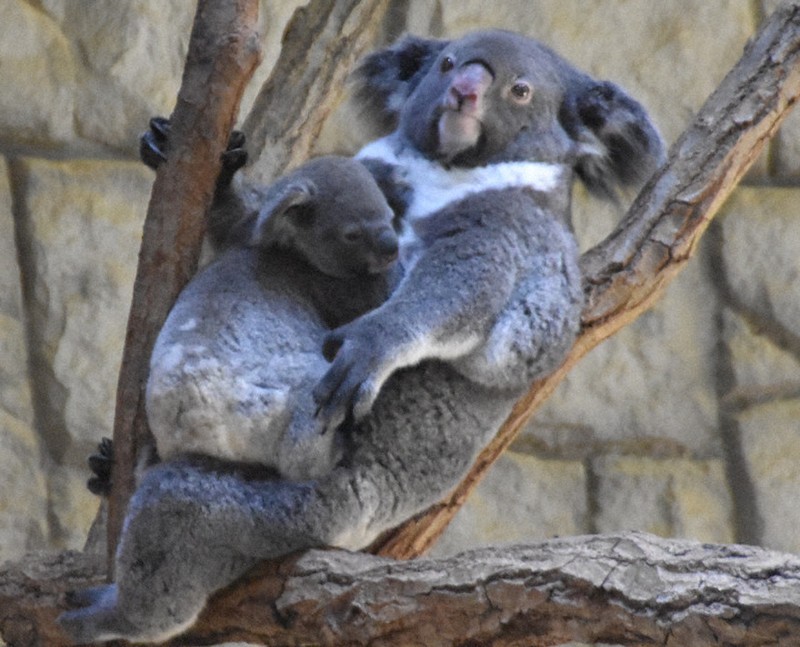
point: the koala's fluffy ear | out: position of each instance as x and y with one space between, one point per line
386 78
270 225
618 146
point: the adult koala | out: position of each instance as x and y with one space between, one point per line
490 130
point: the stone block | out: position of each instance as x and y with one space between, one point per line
653 382
758 363
84 220
72 507
521 499
23 504
761 254
672 498
37 78
132 61
770 436
15 395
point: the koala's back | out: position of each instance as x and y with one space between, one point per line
221 377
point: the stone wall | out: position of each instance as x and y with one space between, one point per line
687 423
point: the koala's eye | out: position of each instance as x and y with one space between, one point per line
447 64
352 235
521 92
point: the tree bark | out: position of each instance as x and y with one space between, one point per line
632 589
223 53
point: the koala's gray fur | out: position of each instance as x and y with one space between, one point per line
488 131
232 369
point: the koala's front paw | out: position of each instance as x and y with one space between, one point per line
154 145
154 142
101 465
349 388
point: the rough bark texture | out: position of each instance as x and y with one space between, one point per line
626 273
630 589
223 53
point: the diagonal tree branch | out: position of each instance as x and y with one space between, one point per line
223 53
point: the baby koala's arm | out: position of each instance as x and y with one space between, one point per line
443 309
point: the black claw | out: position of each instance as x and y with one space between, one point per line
161 127
232 161
152 149
101 464
236 140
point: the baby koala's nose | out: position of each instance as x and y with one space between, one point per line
387 244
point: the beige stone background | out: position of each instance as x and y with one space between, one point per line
685 424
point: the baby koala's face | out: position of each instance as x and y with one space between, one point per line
346 229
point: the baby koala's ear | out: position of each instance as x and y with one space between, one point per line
276 219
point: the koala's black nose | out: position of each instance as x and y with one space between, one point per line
386 243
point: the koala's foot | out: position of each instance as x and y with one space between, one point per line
98 619
154 149
101 464
233 158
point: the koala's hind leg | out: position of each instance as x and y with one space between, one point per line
190 531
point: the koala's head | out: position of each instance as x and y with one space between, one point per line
495 96
332 213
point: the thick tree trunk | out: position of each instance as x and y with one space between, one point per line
223 53
630 589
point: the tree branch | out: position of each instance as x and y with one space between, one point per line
627 273
631 588
223 53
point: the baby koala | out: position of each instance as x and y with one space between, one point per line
233 367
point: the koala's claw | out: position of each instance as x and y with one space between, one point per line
154 149
154 142
346 391
233 157
101 464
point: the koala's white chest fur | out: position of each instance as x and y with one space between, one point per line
434 186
